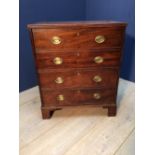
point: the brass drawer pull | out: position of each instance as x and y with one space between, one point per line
56 40
60 97
59 80
57 61
96 96
100 39
97 78
98 59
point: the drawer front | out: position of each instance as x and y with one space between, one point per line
56 60
75 59
55 38
98 38
78 38
106 78
78 97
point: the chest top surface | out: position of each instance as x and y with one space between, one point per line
77 24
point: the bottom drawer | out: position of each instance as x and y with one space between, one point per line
78 97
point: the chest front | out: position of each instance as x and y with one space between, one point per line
77 64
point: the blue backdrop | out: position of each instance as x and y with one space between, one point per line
121 10
68 10
35 11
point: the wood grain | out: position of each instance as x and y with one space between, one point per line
128 147
76 47
77 97
84 24
78 38
78 58
79 131
78 78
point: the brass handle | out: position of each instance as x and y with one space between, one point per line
59 80
100 39
98 59
97 78
96 96
56 40
60 97
58 61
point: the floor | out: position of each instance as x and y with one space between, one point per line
78 131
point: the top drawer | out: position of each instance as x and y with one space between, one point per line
90 38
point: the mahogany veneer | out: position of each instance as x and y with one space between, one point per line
77 63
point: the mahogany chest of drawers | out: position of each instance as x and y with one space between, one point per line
77 63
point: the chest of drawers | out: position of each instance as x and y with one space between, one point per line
77 63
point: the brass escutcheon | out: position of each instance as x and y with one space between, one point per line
100 39
56 40
97 78
60 97
98 59
96 96
59 80
57 60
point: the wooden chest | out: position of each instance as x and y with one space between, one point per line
77 63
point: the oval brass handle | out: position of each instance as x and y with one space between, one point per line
100 39
57 60
59 80
98 59
60 97
56 40
97 78
96 96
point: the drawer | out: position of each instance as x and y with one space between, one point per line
87 58
55 38
98 38
76 78
78 38
56 60
78 97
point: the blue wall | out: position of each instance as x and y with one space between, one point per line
121 10
60 10
35 11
